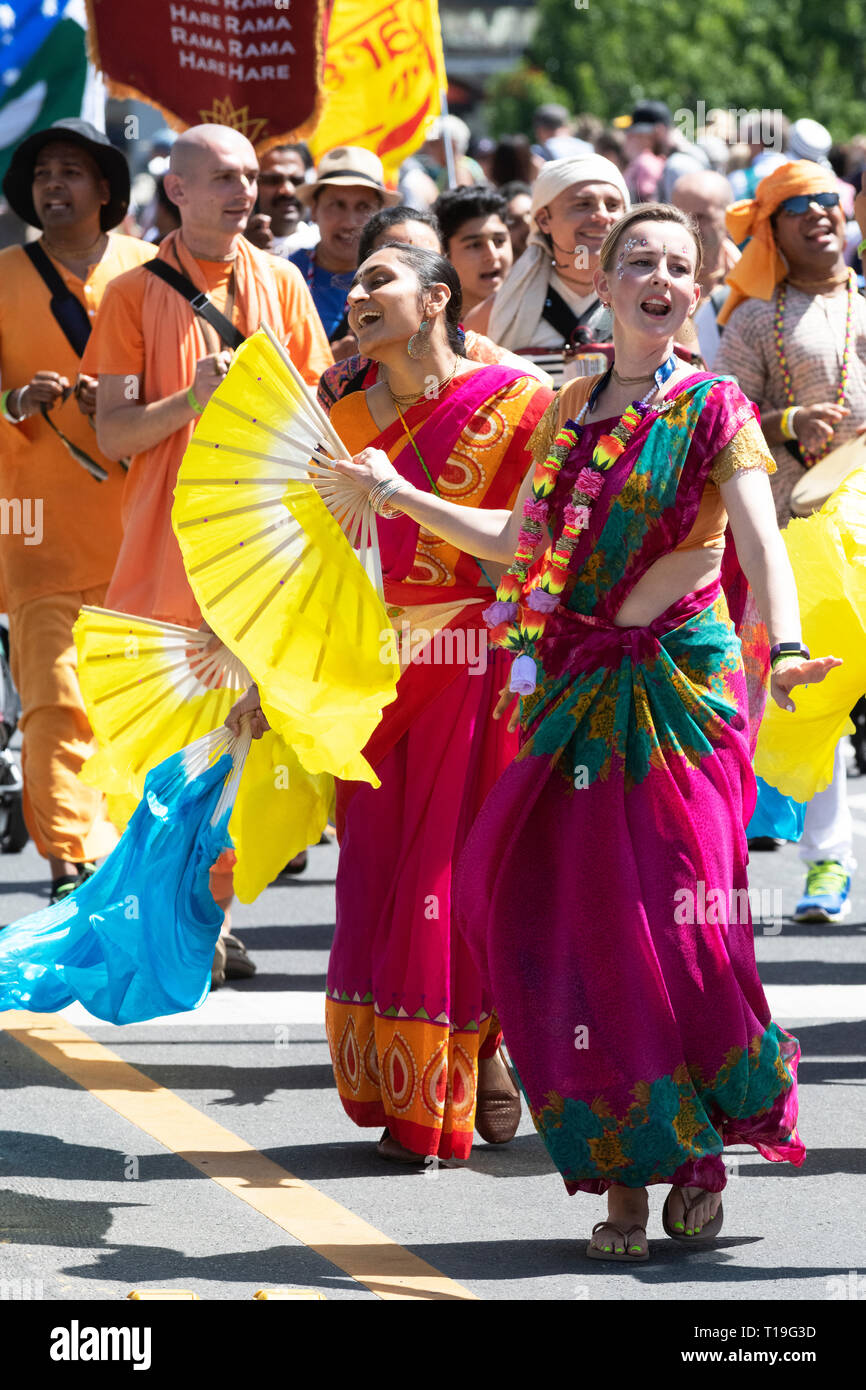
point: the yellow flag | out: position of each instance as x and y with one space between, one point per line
384 76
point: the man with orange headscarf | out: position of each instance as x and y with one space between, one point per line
159 362
796 342
793 269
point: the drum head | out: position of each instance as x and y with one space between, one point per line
822 480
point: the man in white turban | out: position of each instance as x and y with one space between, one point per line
548 300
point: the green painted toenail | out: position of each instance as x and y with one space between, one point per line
678 1226
635 1247
697 1230
607 1248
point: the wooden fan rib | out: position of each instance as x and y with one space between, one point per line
230 451
329 622
136 682
253 569
100 658
300 419
232 482
127 618
119 730
312 404
378 579
277 395
269 598
245 510
285 523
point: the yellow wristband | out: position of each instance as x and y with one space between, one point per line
193 403
785 423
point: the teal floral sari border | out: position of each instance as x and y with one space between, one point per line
669 1122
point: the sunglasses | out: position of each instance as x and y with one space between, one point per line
795 207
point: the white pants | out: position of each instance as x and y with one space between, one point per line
827 833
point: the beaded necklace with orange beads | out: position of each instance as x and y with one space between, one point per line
517 621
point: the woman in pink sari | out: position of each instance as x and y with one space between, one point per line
603 887
413 1034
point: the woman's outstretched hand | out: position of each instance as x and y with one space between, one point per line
248 704
796 672
366 469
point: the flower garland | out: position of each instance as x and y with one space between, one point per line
515 623
779 340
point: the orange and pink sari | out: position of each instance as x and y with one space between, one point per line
407 1016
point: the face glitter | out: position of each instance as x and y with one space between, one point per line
632 242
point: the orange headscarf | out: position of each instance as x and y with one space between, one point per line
760 268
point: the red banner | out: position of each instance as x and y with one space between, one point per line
251 64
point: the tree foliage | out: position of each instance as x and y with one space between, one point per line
800 57
513 96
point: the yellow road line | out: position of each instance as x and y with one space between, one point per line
320 1223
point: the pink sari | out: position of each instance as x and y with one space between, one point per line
406 1012
603 889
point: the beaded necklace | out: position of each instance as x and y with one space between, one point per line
779 339
517 622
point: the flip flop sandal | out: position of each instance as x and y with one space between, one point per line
596 1253
708 1232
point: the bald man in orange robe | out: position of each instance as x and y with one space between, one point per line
158 363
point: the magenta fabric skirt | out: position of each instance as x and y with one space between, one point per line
603 892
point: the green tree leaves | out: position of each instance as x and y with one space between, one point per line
803 58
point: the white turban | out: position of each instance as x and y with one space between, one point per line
520 298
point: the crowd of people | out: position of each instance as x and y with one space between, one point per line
639 344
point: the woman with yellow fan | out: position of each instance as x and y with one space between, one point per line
414 1040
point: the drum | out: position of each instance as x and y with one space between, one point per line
821 480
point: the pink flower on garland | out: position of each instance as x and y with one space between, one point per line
578 517
590 482
535 511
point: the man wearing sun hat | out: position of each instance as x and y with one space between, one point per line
70 182
349 187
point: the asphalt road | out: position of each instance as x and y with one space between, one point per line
97 1200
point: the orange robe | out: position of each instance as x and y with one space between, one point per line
148 333
60 533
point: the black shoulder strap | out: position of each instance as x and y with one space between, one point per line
198 302
577 330
559 315
69 312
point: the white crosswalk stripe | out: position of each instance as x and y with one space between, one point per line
282 1007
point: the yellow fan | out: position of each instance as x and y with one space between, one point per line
266 528
795 752
152 688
